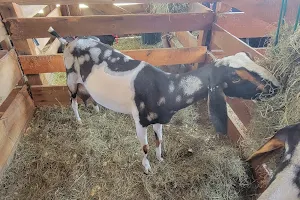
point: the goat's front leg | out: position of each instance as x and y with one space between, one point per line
142 136
75 109
158 140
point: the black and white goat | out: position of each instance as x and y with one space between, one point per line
285 183
152 96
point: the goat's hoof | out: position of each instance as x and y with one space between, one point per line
96 108
160 159
79 121
147 170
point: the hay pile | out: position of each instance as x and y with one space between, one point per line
270 115
58 159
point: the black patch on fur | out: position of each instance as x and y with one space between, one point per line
151 84
119 64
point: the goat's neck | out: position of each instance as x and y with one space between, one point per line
189 87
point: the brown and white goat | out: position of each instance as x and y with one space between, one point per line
285 183
152 96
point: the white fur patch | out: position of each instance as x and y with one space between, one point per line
190 100
81 60
113 60
178 98
242 60
68 59
95 53
171 87
113 90
85 43
87 57
161 101
142 106
107 53
77 65
151 116
190 84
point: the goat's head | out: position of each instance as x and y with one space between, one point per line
285 183
245 79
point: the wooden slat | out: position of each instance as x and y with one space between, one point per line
3 32
229 43
43 41
10 73
68 2
24 28
266 10
12 124
186 39
198 8
157 57
51 95
243 25
261 50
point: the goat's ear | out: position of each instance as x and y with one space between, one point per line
217 109
271 145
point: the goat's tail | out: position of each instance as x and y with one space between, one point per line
55 34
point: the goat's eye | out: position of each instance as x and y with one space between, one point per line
236 79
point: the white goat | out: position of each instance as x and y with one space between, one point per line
152 96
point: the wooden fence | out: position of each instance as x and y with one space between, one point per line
24 66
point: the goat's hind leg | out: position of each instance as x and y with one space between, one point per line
73 88
158 141
142 136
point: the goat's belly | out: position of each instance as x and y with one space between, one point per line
113 92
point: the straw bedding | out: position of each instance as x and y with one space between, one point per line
59 159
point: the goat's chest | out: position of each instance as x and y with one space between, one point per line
113 90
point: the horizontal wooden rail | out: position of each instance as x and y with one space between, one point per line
266 10
156 57
24 28
186 39
229 43
10 73
68 2
243 25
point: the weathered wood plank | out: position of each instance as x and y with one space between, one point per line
229 43
10 73
266 10
69 2
156 57
135 8
43 41
12 124
243 25
24 28
51 95
186 39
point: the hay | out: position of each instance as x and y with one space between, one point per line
283 109
161 8
58 159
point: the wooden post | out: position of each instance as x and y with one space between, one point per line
23 47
